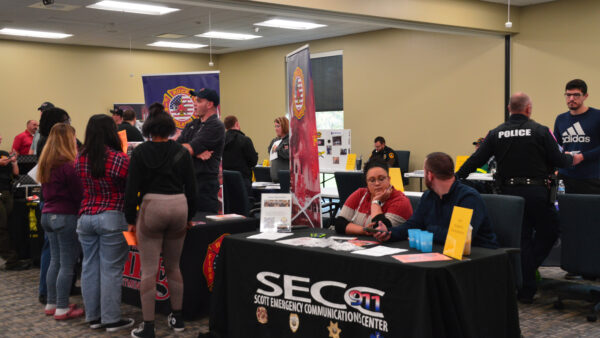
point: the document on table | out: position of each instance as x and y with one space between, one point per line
379 251
270 235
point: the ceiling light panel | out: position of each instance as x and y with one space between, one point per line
131 7
289 24
228 36
182 45
34 34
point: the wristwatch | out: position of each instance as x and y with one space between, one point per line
378 202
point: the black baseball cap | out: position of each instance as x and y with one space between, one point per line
45 105
207 94
117 112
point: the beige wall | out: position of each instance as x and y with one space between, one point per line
422 91
82 80
558 42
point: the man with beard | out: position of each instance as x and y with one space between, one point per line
527 154
435 209
578 131
204 138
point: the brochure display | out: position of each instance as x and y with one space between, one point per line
276 213
334 148
457 232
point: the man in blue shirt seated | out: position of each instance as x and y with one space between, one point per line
435 209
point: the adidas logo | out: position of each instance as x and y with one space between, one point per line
575 134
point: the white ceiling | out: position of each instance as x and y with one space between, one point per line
520 2
115 29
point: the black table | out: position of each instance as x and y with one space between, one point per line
201 246
267 289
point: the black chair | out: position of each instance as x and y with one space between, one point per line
262 174
235 196
347 183
506 215
402 157
284 180
580 234
414 202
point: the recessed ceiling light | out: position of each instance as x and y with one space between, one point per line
131 7
34 34
288 24
229 36
170 36
170 44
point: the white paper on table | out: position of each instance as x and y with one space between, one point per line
270 235
276 213
33 173
379 251
342 238
298 241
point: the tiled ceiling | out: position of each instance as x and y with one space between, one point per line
115 29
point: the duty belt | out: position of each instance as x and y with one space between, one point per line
525 181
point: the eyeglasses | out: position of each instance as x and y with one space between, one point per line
574 95
380 179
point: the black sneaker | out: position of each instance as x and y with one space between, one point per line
143 331
176 323
96 324
42 299
121 324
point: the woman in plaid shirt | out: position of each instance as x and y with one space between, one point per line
102 167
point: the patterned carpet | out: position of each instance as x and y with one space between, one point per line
22 315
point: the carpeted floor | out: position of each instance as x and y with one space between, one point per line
22 315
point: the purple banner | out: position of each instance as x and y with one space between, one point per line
172 91
304 159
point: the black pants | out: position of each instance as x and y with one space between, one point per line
7 252
580 186
539 231
208 191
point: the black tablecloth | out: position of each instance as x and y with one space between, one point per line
202 243
267 289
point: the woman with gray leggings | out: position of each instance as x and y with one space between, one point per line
161 171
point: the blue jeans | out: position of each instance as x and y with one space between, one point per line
44 264
104 253
64 250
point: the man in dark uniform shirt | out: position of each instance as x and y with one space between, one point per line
204 138
383 152
133 134
239 153
526 153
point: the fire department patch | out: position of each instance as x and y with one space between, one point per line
208 267
180 105
261 315
298 94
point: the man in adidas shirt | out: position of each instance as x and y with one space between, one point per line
578 132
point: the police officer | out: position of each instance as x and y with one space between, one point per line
383 152
526 153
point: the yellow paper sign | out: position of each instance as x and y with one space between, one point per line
460 160
265 163
351 162
396 179
123 137
457 232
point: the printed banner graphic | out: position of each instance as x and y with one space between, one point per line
304 158
172 91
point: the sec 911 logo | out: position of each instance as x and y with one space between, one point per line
365 300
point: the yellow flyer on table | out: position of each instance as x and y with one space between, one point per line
457 232
351 162
460 160
396 179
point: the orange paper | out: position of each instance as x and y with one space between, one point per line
424 257
130 238
123 137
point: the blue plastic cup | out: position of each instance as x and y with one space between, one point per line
412 237
418 239
426 241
